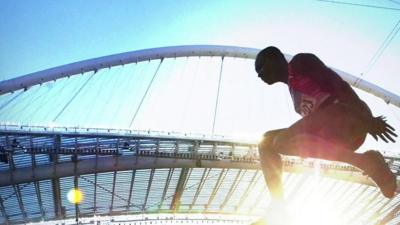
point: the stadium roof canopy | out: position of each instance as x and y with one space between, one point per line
166 130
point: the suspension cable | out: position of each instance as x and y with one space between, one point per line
218 91
11 100
190 88
361 5
131 75
100 82
379 51
394 1
73 97
383 46
145 94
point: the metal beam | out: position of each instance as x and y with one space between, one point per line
95 194
167 182
157 151
39 197
356 202
260 196
11 164
20 202
179 189
131 189
360 213
58 209
26 81
328 192
113 190
332 193
53 170
217 185
203 179
76 187
373 217
290 184
380 211
344 196
12 168
107 164
238 178
148 188
387 210
106 190
95 178
3 211
29 80
37 186
95 133
390 216
250 187
33 156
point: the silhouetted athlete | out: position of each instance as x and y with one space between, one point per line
334 123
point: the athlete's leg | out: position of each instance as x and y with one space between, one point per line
332 133
304 145
371 162
319 135
326 134
271 164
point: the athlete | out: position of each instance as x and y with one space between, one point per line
334 123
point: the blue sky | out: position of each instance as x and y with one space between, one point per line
36 35
41 34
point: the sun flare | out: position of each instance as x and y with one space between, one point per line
75 196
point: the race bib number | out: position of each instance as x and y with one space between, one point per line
307 105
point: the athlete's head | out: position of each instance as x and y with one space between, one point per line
271 65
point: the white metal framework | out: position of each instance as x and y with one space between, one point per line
155 174
29 80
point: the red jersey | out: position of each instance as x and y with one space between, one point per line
308 94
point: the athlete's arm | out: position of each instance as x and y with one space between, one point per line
376 126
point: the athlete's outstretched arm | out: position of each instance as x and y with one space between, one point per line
310 65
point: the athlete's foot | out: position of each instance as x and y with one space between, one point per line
380 173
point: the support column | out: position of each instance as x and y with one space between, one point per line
179 189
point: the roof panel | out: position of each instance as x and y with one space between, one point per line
156 190
30 201
87 187
66 185
47 198
10 203
104 192
122 188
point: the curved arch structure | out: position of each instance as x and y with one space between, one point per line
26 81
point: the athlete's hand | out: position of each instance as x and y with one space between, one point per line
379 128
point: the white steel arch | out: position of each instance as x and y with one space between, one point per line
29 80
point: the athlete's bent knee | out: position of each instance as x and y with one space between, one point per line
265 144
